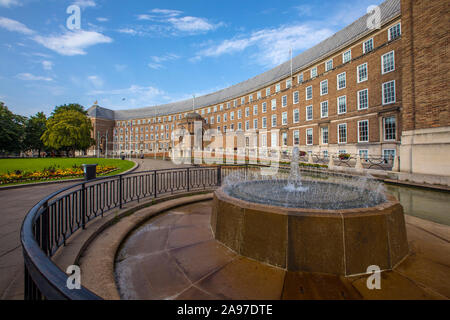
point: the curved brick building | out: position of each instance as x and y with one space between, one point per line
368 91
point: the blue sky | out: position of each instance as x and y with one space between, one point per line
131 54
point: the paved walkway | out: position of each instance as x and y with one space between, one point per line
15 203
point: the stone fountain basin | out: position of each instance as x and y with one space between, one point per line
344 242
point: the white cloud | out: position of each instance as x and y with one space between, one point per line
128 31
96 81
15 26
192 24
101 19
47 65
73 42
167 12
31 77
85 3
9 3
144 17
156 62
273 44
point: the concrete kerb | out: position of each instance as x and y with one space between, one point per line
136 166
120 227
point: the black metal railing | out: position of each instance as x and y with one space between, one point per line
51 222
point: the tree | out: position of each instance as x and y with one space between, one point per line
69 107
68 130
34 129
11 130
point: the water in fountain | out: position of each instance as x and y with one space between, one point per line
293 190
295 180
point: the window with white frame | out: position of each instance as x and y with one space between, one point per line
243 100
324 131
288 83
239 126
212 120
300 78
325 153
363 131
284 138
247 112
296 137
228 105
255 110
250 98
274 120
324 87
295 97
324 109
284 118
274 104
258 95
342 133
387 62
364 154
363 99
239 114
264 107
284 101
274 139
341 81
232 115
329 65
314 72
234 103
388 154
268 91
247 125
342 104
215 110
347 56
264 122
394 32
263 140
278 87
296 116
255 123
362 72
225 116
309 93
309 137
389 124
309 113
218 118
368 46
389 92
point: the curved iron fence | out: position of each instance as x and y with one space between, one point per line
51 222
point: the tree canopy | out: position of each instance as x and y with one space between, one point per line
11 130
34 129
68 130
69 107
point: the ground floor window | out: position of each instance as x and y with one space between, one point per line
389 128
364 154
342 133
309 137
285 139
324 135
388 154
296 137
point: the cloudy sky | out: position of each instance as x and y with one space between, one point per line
130 54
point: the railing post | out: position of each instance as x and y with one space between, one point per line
219 176
155 183
45 229
188 179
120 191
84 206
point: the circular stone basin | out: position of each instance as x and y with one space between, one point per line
254 221
310 194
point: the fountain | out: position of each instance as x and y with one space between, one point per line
338 227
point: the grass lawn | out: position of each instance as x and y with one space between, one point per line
38 164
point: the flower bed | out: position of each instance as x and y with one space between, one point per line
51 173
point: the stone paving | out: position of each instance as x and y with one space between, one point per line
174 256
15 203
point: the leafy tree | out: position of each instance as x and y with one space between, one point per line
68 130
34 129
11 130
68 107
